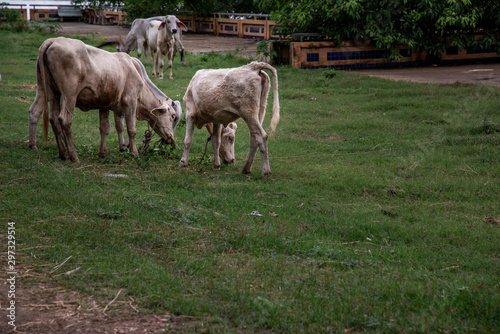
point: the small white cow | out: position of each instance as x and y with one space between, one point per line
161 41
72 74
222 96
226 138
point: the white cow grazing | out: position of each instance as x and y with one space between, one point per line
222 96
161 41
72 74
137 39
226 138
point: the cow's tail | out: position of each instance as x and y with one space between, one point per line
45 120
276 103
42 84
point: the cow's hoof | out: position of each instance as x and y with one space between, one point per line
124 148
246 171
216 167
183 164
266 173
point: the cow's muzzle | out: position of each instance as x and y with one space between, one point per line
168 140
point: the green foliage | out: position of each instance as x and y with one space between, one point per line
427 25
50 26
149 8
263 49
372 220
9 14
223 6
24 25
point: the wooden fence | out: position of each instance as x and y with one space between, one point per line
223 24
352 55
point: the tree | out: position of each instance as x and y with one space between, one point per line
430 25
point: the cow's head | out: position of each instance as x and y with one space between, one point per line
163 120
171 23
123 46
228 136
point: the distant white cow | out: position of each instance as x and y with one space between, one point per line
161 41
137 39
222 96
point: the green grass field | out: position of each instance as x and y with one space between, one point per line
371 221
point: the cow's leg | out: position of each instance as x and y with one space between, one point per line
65 119
38 107
146 52
216 144
183 57
141 46
179 47
120 128
258 140
188 139
104 129
55 107
153 60
161 63
139 51
170 61
131 131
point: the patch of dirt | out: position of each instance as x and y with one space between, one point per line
487 74
41 307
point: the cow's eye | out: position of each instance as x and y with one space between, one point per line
231 139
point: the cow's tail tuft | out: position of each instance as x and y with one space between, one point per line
276 104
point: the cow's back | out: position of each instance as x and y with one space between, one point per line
223 88
96 78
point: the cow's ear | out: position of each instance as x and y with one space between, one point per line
162 25
159 111
233 125
181 25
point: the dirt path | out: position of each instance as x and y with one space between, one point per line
487 74
42 306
